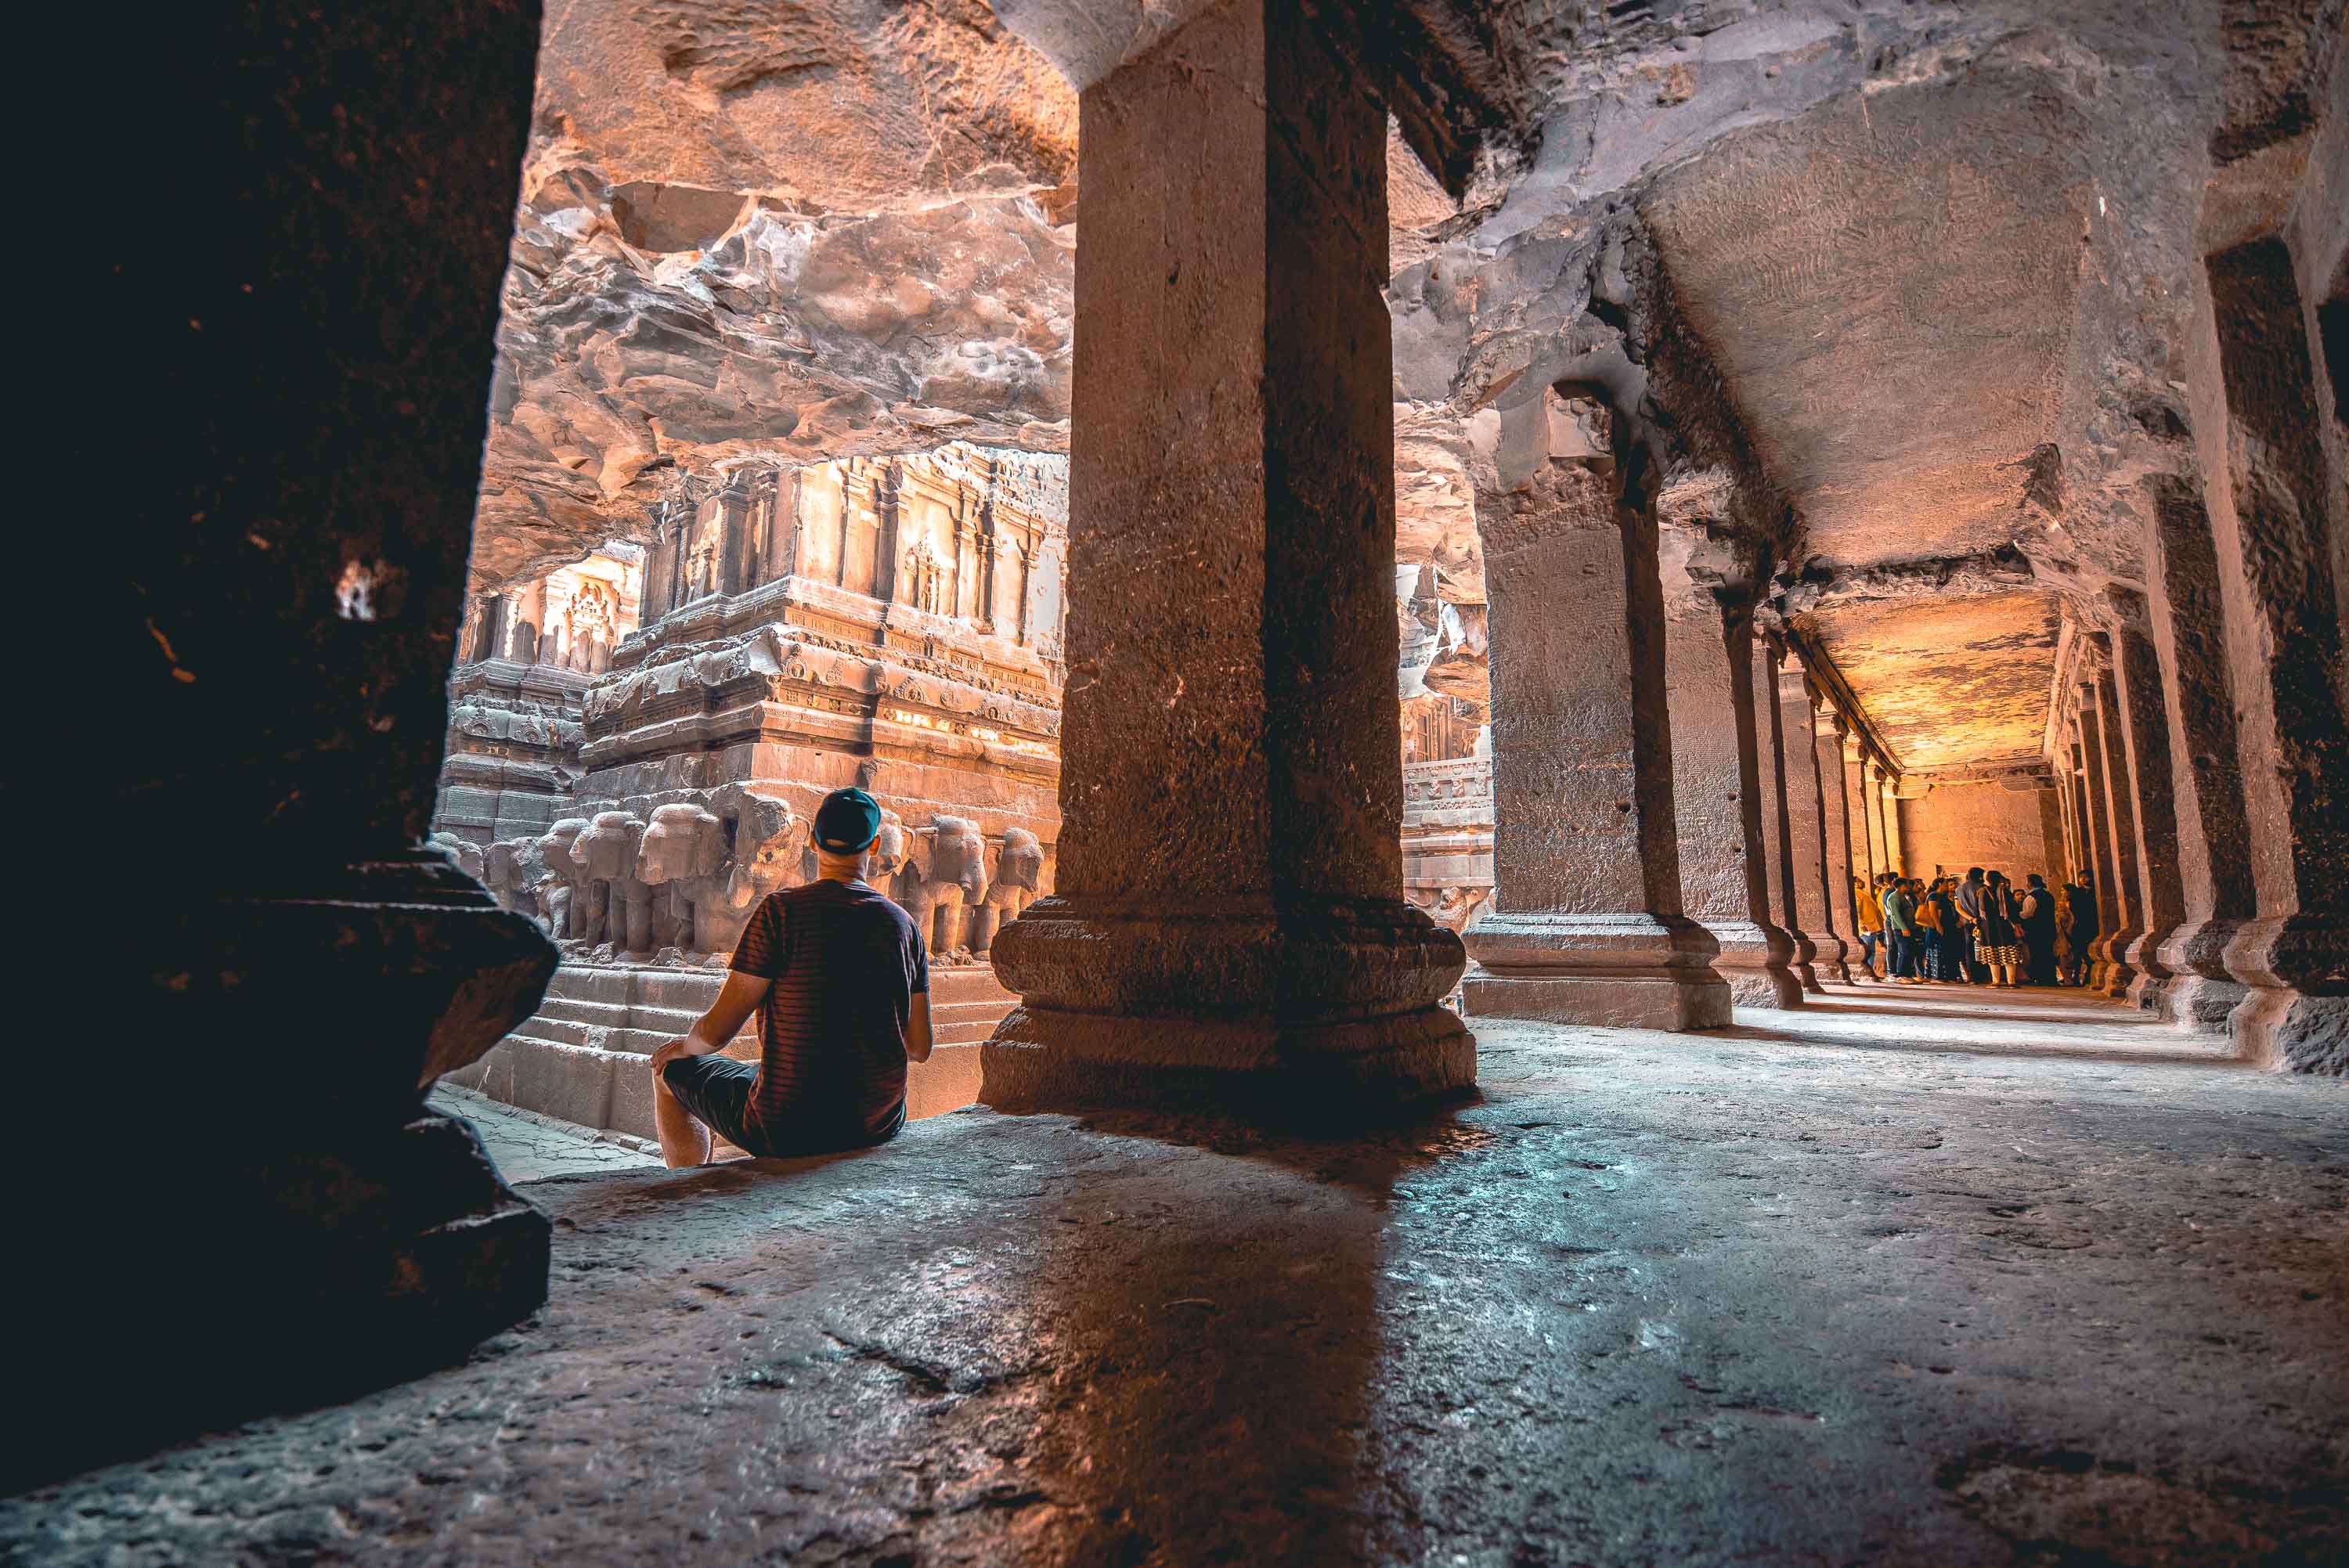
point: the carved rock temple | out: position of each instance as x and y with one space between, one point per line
1619 733
890 622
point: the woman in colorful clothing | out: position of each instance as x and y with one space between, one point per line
1998 943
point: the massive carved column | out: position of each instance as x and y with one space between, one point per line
2120 816
1828 734
1865 863
2083 837
1586 925
1780 749
1885 818
2145 742
2100 838
2275 512
1228 926
2214 870
1717 796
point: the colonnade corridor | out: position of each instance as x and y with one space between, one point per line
1906 1278
1331 684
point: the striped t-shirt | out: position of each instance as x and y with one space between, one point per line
845 963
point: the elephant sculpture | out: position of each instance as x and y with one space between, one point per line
683 851
462 853
770 842
576 902
1018 882
511 870
944 875
610 849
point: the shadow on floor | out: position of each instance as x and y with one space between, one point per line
1244 1334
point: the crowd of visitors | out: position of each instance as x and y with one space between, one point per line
1979 930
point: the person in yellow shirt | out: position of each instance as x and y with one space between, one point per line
1871 925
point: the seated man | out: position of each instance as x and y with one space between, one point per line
841 984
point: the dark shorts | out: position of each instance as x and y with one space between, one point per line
716 1091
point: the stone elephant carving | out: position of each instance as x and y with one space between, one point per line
1018 882
462 853
511 870
610 849
770 842
573 900
944 876
684 851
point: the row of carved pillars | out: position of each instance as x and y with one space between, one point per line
1671 813
1678 812
1673 821
2204 751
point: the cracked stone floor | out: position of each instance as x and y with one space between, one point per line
1883 1281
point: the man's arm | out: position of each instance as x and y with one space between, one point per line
735 1003
917 1028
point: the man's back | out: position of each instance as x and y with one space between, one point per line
845 963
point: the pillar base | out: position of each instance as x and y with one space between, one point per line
1613 971
2114 973
1312 1009
2151 980
1804 964
2200 992
1044 1058
1753 961
2294 1014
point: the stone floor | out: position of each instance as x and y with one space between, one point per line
529 1147
1882 1281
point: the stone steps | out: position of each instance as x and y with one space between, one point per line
580 1058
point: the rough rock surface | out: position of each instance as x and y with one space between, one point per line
1931 262
815 230
1828 1287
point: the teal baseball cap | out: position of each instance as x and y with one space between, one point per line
847 822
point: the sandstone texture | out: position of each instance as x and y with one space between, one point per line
808 231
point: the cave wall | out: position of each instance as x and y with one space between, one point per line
1955 826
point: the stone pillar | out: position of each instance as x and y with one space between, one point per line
735 545
1865 850
2100 838
279 605
1827 735
1805 840
1717 795
1228 928
2084 853
2189 629
1585 924
1779 872
1885 819
1865 863
782 500
2145 742
2275 512
2120 809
